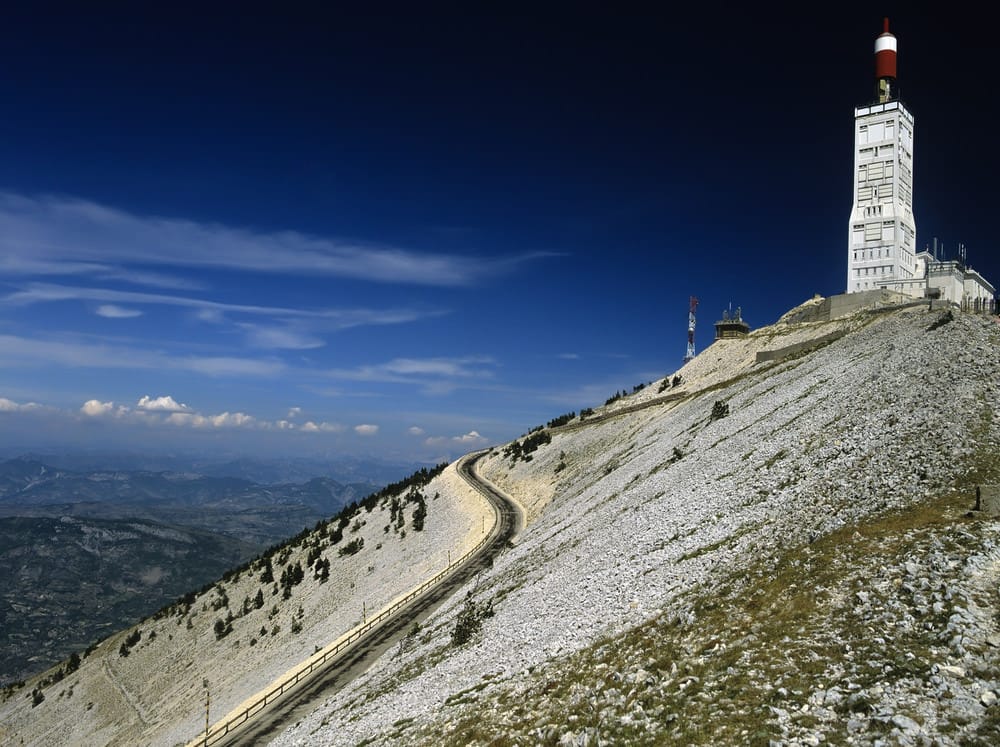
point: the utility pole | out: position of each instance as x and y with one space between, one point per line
208 701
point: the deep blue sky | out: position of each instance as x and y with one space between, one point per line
423 228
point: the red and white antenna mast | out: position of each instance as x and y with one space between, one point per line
690 351
885 63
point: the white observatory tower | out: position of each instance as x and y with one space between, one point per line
881 249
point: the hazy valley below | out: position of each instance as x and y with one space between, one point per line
85 552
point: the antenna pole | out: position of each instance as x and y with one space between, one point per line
691 320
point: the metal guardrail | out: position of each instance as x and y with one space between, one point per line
219 731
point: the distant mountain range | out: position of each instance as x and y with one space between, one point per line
341 468
86 552
255 513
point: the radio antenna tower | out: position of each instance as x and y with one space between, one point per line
690 351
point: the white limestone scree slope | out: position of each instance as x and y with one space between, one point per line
636 517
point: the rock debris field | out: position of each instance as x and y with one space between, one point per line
668 586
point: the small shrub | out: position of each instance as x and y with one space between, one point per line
133 638
470 620
720 409
418 518
222 629
615 397
352 547
561 420
323 570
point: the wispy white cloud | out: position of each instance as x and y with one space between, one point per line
223 420
283 338
161 404
9 405
310 427
110 311
13 264
229 366
433 376
94 408
166 413
293 412
284 328
415 430
213 311
55 232
211 316
77 353
403 370
472 438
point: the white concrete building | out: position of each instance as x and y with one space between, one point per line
979 294
882 250
882 245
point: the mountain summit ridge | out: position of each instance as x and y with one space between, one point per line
641 519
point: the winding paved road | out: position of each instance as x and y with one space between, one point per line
299 700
